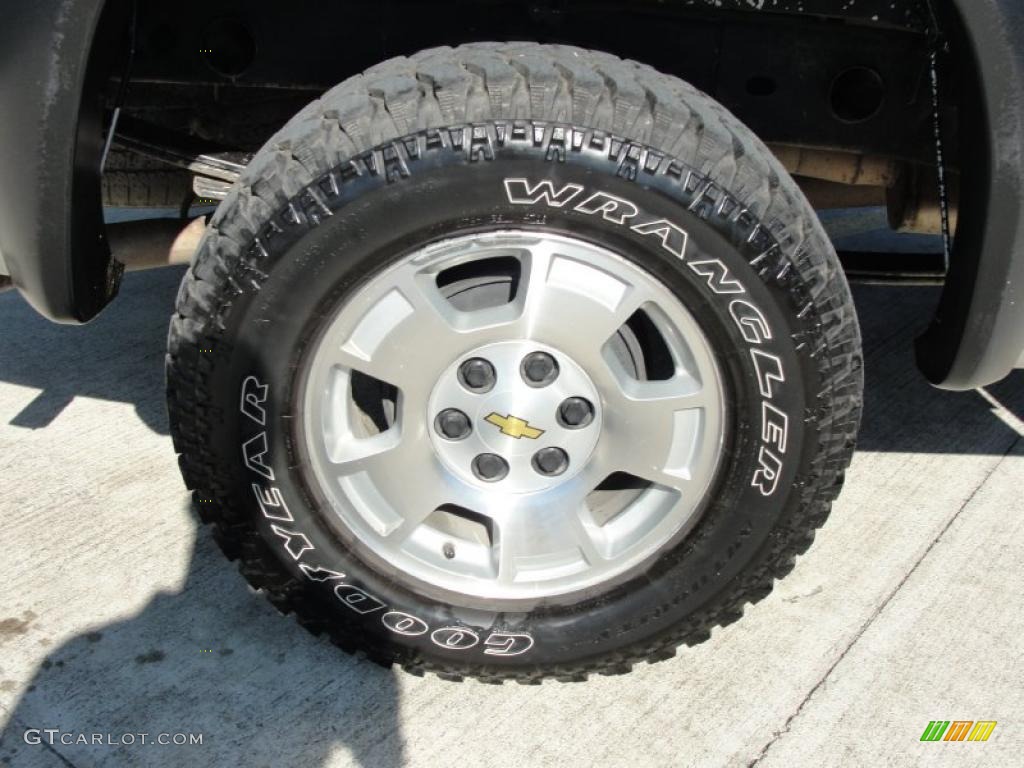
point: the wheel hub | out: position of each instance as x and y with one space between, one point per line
519 419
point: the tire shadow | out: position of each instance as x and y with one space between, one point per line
214 659
902 411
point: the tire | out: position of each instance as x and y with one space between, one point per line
133 181
536 140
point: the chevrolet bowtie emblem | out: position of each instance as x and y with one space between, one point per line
513 426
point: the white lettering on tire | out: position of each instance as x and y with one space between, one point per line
719 279
402 623
272 503
296 543
253 451
357 599
508 643
520 192
750 321
319 574
253 396
769 369
454 638
673 238
766 478
612 208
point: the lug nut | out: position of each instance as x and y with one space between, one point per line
551 461
477 375
490 467
539 369
453 424
575 412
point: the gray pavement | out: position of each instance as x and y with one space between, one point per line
118 615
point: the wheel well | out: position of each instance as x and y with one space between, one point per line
852 79
842 94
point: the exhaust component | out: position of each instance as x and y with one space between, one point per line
835 165
838 179
829 194
155 242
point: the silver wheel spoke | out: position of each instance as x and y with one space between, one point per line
387 340
533 543
572 304
397 479
668 419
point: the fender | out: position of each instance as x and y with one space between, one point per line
52 238
977 335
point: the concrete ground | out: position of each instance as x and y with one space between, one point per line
117 615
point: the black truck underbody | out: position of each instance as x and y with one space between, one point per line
230 72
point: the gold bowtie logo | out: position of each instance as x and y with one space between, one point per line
513 426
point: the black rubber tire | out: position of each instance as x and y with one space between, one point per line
133 181
273 264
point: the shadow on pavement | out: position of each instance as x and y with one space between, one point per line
902 411
119 356
213 659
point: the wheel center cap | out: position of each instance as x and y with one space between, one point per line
518 414
509 425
